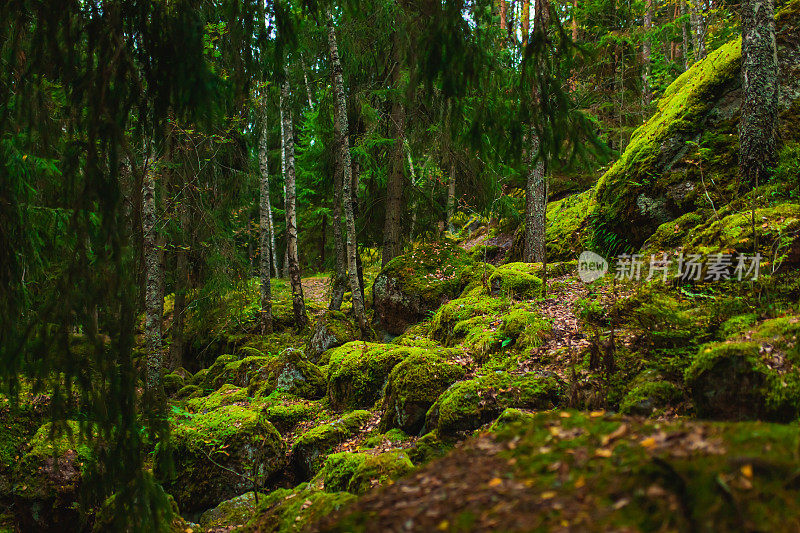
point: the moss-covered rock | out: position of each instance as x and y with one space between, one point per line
339 469
332 329
234 512
207 380
511 416
226 395
430 446
217 454
189 391
443 325
285 415
18 423
516 280
241 372
48 477
296 509
358 371
311 448
413 386
173 383
378 469
412 285
648 397
469 404
743 381
291 372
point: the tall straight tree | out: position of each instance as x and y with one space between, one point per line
293 261
341 127
758 124
154 298
646 65
697 22
265 228
392 246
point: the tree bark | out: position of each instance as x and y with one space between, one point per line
648 26
698 30
575 20
757 146
293 266
347 176
451 196
394 186
154 301
265 229
340 276
181 286
535 206
685 36
526 21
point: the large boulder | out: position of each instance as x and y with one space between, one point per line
412 285
312 447
413 386
358 372
47 480
290 372
690 143
331 329
756 377
218 452
469 404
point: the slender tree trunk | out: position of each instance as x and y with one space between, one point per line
451 196
575 20
698 29
298 302
535 206
347 176
757 127
265 229
412 205
526 21
648 26
394 186
685 36
154 300
308 87
181 286
503 14
340 278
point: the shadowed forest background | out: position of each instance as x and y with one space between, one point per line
275 266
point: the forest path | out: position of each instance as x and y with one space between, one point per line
565 340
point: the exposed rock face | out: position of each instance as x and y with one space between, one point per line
414 284
218 453
691 141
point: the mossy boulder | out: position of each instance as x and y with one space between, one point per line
241 372
430 446
412 285
226 395
378 469
48 477
516 280
469 404
311 448
650 397
413 386
217 454
207 379
358 371
173 383
296 509
475 304
189 391
339 469
331 329
18 423
290 372
511 417
286 414
742 381
689 141
234 512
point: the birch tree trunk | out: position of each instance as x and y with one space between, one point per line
265 229
648 26
347 176
451 197
698 30
181 286
535 206
757 127
685 36
293 262
154 301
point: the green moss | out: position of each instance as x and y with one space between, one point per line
311 448
737 324
359 370
511 416
289 372
467 405
517 280
378 470
526 328
732 380
566 232
173 383
646 398
339 469
413 386
619 209
216 452
296 509
236 511
285 416
331 329
18 423
428 447
189 391
226 395
461 309
208 380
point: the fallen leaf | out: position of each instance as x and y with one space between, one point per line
548 495
614 435
603 452
648 443
747 471
495 482
444 525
